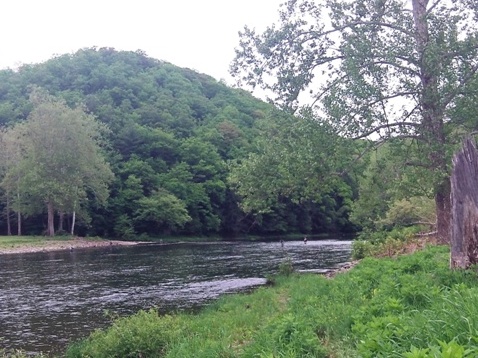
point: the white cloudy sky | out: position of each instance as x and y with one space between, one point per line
199 34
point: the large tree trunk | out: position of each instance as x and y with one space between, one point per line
51 220
432 119
19 217
464 200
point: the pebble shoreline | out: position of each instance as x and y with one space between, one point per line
65 245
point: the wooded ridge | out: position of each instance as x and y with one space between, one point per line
171 136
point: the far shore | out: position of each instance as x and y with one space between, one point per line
31 244
48 245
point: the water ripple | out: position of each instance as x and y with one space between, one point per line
50 299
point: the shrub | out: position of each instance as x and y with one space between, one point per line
407 212
362 249
286 268
145 334
385 243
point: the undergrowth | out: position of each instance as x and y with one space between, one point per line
389 243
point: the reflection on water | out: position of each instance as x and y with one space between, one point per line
50 299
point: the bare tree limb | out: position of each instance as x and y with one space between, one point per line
387 125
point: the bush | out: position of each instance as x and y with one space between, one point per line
145 334
362 249
407 212
286 268
384 243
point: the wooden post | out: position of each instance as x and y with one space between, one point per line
464 210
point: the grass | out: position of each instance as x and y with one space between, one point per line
7 242
409 306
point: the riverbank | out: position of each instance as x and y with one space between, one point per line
412 306
27 244
83 284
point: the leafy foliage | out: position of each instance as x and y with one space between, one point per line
60 162
386 70
301 160
145 334
170 131
163 210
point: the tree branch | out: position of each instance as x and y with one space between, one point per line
328 88
388 125
403 68
395 95
418 164
358 23
433 7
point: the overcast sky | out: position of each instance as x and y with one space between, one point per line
199 34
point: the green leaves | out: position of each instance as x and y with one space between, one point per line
171 129
163 209
382 70
59 159
298 158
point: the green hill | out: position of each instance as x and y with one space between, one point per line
173 132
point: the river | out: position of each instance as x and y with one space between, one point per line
48 300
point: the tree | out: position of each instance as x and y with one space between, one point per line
464 199
163 210
300 159
11 173
375 69
62 163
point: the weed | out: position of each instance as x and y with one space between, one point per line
286 268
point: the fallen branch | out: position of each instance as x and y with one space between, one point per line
426 234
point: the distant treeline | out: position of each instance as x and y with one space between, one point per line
173 136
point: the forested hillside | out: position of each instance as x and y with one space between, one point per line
173 134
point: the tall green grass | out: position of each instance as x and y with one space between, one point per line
411 306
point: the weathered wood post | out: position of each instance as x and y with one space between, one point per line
464 207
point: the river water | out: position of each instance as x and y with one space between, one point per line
48 300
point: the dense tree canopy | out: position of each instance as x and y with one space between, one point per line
301 160
171 134
376 69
